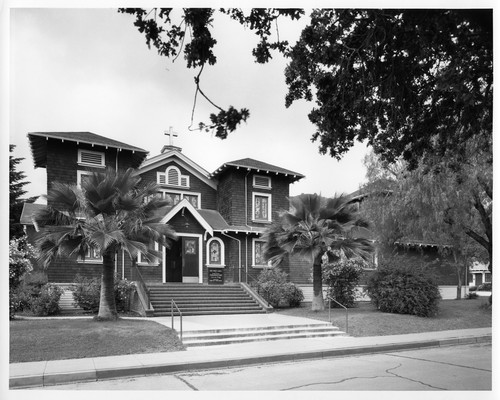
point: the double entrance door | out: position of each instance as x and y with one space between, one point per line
182 262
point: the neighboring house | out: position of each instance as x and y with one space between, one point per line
480 273
218 216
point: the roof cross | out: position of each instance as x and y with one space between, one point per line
171 134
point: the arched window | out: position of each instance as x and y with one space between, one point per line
215 252
172 177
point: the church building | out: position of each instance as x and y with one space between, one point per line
219 216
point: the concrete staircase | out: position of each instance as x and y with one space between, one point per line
66 303
258 334
199 299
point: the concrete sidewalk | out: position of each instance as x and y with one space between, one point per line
46 373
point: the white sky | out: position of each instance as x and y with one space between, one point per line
90 70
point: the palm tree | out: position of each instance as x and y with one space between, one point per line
110 213
312 231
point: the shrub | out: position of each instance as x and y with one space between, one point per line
274 288
20 253
35 294
342 278
293 295
472 288
47 301
485 287
123 291
29 288
87 293
471 296
13 304
404 291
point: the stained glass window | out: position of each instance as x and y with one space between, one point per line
261 207
259 253
214 252
193 199
174 198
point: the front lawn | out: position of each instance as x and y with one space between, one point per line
366 320
58 339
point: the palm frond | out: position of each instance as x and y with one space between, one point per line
110 213
64 196
309 230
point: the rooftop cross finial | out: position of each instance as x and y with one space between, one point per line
171 134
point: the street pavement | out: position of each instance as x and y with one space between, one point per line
47 373
450 368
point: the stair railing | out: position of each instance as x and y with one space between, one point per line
141 286
255 284
172 304
330 299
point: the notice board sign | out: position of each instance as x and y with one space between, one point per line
215 276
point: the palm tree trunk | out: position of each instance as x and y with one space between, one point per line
107 306
318 303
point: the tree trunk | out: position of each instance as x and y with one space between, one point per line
458 269
318 303
107 305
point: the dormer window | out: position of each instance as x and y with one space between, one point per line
172 177
91 158
261 182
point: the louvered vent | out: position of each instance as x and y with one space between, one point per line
91 158
173 177
262 181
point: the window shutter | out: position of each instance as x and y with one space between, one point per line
184 181
161 179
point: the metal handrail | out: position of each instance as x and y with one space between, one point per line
330 312
258 285
172 304
141 284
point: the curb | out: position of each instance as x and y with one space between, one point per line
91 373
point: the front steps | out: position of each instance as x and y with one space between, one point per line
245 335
199 299
66 303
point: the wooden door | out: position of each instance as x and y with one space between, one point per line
190 259
174 263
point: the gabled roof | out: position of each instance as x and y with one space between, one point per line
210 220
259 166
38 144
29 212
181 159
186 204
361 194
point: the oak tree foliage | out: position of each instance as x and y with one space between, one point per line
411 82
